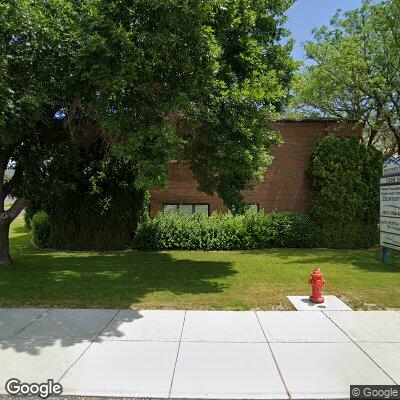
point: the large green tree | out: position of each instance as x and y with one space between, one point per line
197 81
157 80
37 47
353 71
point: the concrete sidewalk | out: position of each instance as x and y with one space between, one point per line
201 354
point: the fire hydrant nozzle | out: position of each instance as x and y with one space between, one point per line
317 281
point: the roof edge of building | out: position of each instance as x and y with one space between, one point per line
317 119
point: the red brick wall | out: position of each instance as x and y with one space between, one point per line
285 187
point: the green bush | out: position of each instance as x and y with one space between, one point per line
344 178
91 202
41 229
80 222
31 209
227 232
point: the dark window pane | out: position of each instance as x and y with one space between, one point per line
170 208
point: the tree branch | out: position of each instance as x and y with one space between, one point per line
14 210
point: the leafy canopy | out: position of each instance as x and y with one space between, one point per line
37 47
196 80
354 71
156 80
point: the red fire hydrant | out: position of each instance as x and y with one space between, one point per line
317 281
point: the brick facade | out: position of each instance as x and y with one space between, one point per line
285 187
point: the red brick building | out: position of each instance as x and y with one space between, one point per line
285 186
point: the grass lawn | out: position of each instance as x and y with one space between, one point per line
237 280
8 203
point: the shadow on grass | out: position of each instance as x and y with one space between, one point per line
116 279
113 280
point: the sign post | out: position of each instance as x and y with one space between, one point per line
389 221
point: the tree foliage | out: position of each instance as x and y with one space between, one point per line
354 71
37 46
197 81
94 203
35 57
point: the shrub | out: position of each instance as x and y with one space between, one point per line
91 202
31 209
41 229
344 178
227 232
81 223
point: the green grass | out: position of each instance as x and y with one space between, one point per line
8 204
239 280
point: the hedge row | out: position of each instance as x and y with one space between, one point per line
83 230
227 232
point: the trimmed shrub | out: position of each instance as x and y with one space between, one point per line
227 232
41 229
344 178
80 222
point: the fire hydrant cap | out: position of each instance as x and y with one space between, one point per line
316 272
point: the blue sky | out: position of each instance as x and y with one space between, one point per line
308 14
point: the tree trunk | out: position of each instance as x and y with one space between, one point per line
6 218
398 144
5 257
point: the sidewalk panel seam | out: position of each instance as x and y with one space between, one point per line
273 357
87 348
353 341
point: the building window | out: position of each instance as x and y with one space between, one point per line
253 207
169 208
187 209
202 209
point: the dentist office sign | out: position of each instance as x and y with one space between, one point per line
390 206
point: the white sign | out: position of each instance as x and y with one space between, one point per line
390 240
390 180
390 201
389 222
391 166
390 225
